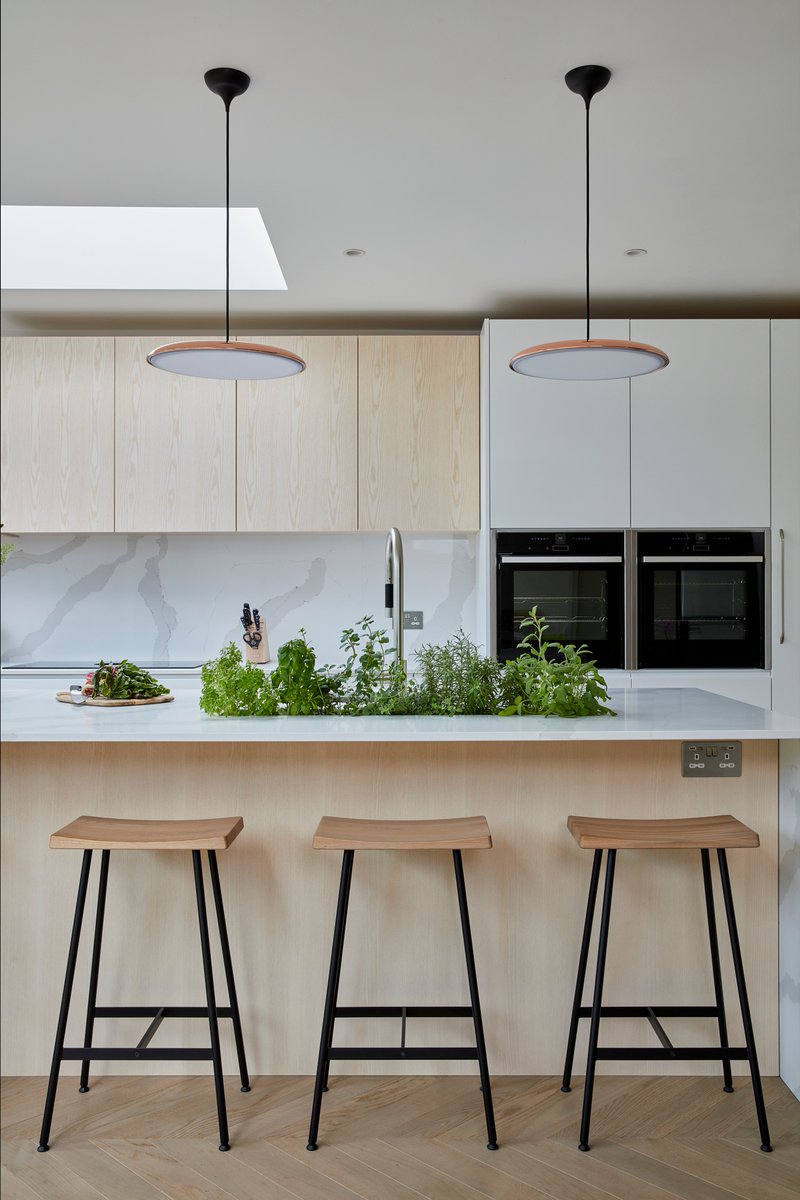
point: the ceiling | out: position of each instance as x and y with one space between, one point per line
438 136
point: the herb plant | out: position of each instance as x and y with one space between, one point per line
551 680
452 679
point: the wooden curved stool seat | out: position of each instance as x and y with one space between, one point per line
662 833
110 833
454 833
609 835
348 835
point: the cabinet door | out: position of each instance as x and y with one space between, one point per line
418 400
58 435
700 428
786 517
297 466
558 449
175 446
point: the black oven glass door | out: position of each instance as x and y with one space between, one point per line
581 603
701 614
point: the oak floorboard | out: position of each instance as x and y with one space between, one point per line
488 1172
589 1174
400 1138
151 1162
727 1165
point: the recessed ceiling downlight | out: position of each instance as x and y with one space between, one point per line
226 360
354 252
589 358
635 252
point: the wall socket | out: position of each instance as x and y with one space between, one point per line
718 759
412 619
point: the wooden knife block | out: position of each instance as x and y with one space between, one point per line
260 653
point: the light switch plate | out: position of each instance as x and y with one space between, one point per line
703 760
412 619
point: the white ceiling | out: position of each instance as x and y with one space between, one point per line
439 136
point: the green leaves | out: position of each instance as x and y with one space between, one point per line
551 680
452 679
124 681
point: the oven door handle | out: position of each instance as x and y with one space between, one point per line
549 559
704 558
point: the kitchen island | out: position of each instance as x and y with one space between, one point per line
527 894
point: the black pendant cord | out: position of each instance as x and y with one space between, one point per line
587 220
228 221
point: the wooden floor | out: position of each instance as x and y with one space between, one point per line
399 1139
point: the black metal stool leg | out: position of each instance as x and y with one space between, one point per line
213 1024
226 958
334 972
747 1023
594 1028
69 979
582 961
474 1000
95 969
715 968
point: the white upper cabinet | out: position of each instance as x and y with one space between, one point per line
700 440
559 451
786 516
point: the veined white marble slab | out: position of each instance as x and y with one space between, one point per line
33 715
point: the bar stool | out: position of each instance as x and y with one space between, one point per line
107 834
349 835
718 833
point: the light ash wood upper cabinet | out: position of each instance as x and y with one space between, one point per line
58 435
558 449
298 441
700 440
418 402
175 446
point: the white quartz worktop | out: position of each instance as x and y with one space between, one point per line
32 714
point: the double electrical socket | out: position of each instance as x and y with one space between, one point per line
700 760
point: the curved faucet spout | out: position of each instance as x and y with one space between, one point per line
394 589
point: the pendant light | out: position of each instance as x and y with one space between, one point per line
589 358
226 360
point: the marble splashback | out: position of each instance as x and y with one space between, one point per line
151 596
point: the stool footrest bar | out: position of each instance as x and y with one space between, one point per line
658 1053
392 1052
410 1010
658 1010
166 1054
154 1010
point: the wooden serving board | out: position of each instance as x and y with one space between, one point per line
102 702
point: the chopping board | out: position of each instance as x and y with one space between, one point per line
102 702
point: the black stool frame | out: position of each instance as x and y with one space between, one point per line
328 1052
143 1051
667 1051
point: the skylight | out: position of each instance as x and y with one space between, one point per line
152 249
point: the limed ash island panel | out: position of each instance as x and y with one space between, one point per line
527 895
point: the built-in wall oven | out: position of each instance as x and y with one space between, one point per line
575 580
701 599
638 598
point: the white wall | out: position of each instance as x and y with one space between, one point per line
157 596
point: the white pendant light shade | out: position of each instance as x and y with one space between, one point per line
588 358
226 360
599 358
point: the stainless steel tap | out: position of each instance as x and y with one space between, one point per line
394 590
